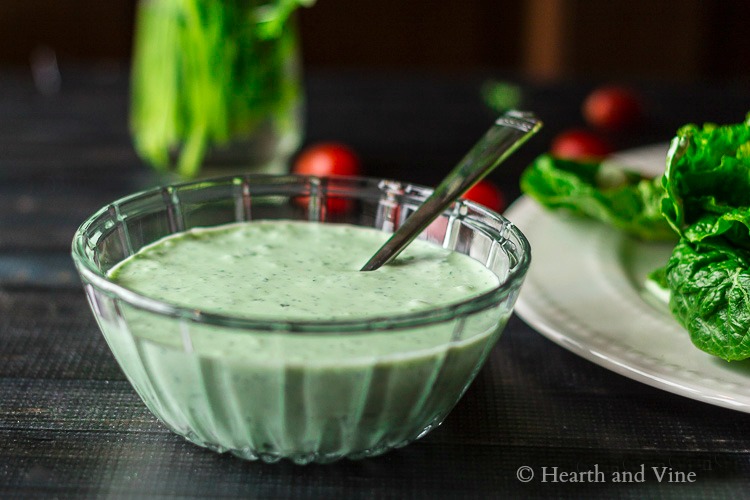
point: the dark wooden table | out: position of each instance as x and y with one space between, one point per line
70 424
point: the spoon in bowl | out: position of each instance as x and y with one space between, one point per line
506 135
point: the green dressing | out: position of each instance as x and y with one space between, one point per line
305 396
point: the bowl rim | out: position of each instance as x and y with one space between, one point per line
91 276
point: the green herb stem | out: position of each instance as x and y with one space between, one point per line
208 72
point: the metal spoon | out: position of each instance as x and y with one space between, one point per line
507 134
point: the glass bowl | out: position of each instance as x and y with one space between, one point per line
237 384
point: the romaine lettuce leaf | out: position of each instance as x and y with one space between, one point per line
710 296
622 199
707 183
707 201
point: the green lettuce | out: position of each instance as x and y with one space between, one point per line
707 183
707 201
622 199
703 198
709 287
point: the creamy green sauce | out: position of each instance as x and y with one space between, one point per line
306 396
299 271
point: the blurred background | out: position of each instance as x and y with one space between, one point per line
685 40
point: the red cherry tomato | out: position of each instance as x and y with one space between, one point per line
488 194
613 108
580 145
327 159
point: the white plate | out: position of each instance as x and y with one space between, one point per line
585 292
649 160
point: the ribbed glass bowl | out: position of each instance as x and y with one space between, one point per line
256 399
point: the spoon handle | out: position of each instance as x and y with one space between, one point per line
508 133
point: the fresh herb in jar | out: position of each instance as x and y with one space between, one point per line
207 72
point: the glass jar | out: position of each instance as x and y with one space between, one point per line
216 86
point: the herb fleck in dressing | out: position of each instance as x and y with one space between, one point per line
299 271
